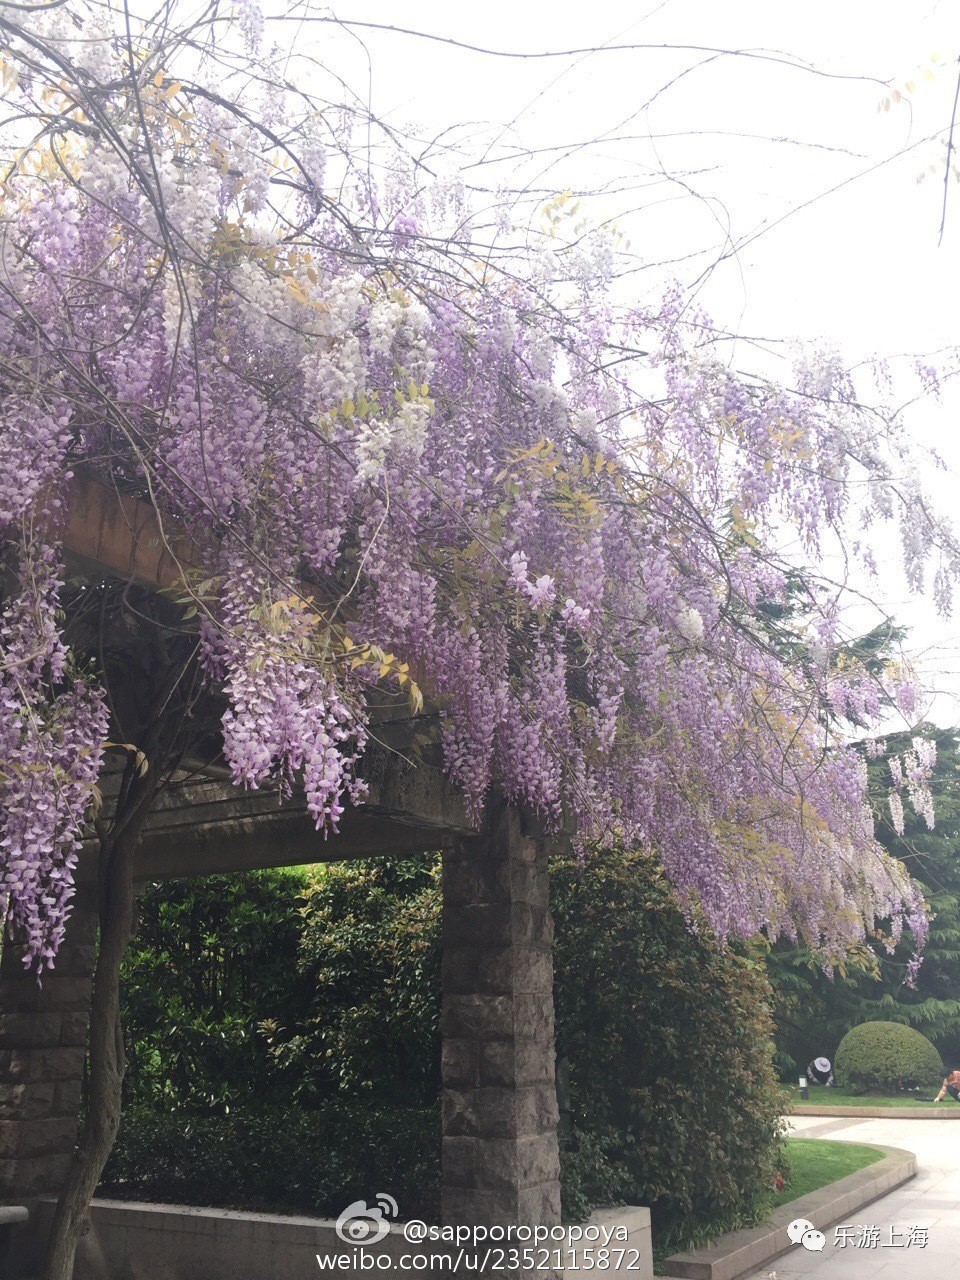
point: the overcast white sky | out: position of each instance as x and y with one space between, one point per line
860 268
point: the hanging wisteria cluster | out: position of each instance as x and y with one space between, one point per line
398 463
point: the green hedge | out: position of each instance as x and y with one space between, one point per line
670 1045
886 1056
673 1101
288 1160
281 1159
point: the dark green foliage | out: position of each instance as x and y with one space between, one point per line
667 1035
669 1042
211 958
590 1174
884 1056
279 1159
369 962
813 1012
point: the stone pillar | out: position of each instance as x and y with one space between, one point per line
43 1032
500 1153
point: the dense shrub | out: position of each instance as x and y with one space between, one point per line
280 1159
669 1042
290 1160
210 957
884 1056
673 1102
369 956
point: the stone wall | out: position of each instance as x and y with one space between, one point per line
43 1030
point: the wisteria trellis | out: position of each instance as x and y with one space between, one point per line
569 550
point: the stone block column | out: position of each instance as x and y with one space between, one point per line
43 1031
500 1152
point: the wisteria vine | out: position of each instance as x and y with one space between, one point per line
402 459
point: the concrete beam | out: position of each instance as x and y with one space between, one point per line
110 533
200 826
286 840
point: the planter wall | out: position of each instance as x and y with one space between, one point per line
130 1241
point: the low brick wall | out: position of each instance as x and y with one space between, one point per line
129 1241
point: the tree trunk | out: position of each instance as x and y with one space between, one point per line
117 908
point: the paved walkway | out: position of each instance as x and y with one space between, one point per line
930 1200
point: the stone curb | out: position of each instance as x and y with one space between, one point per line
879 1113
740 1251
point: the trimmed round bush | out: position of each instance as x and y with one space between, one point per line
886 1056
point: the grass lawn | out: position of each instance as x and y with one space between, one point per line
822 1096
815 1162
